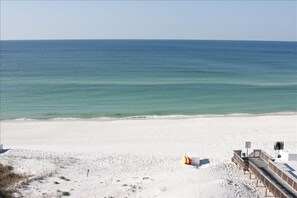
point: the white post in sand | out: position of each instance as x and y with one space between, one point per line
247 146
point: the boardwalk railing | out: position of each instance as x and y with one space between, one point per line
284 175
261 154
264 156
268 183
238 159
255 153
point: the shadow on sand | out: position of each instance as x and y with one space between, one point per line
3 151
204 162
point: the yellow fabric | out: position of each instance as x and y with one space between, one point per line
186 160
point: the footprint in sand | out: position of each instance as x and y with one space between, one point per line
163 189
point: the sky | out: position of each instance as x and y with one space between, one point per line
211 20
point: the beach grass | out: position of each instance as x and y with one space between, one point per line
9 180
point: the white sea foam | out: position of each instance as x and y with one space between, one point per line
155 117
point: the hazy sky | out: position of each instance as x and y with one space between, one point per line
228 20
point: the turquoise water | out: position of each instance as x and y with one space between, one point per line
119 78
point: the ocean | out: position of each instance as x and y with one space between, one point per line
122 78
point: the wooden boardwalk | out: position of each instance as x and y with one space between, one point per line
259 163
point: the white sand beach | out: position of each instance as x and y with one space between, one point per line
140 157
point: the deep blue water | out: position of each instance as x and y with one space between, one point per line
118 78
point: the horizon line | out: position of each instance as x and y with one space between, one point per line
181 39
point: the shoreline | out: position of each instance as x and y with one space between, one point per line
152 117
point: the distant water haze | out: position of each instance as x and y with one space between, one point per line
120 78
